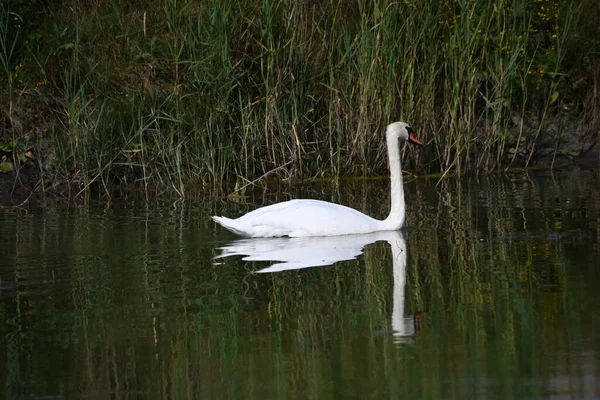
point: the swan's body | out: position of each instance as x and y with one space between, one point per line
300 218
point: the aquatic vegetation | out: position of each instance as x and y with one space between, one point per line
171 93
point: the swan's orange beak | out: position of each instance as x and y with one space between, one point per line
413 139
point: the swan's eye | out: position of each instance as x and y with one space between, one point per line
409 130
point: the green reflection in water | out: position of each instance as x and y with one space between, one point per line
127 302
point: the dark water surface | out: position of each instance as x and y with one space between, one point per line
491 291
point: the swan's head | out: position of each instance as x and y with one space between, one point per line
402 131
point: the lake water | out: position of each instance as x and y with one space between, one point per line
491 291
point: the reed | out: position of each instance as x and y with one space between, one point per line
174 93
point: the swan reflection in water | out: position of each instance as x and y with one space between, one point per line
305 252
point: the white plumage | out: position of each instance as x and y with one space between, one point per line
301 218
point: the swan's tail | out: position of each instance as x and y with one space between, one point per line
228 224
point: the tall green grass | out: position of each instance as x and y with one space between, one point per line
172 93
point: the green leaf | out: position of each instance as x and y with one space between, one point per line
6 166
7 147
554 97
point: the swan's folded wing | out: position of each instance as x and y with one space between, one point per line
298 218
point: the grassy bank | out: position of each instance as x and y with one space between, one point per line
171 93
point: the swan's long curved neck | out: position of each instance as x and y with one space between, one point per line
396 218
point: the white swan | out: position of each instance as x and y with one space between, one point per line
301 218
